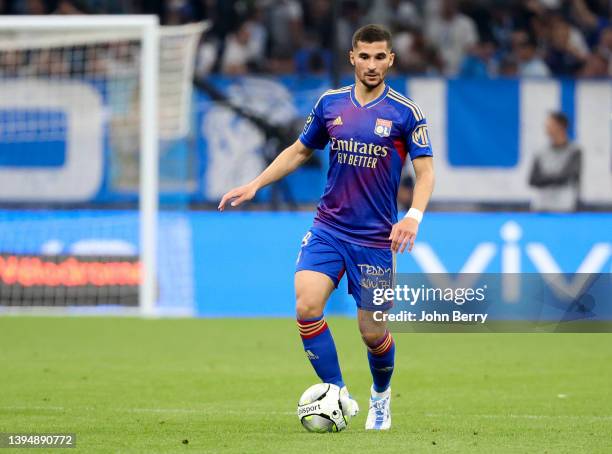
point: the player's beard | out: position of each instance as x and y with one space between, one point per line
372 83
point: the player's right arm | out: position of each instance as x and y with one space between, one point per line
314 136
290 159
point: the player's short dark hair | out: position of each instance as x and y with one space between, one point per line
561 119
372 33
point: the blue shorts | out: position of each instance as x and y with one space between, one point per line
366 268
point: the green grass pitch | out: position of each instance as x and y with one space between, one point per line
193 385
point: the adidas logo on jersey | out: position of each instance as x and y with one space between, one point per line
338 121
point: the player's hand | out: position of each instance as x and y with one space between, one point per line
239 195
403 234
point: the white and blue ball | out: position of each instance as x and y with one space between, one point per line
320 409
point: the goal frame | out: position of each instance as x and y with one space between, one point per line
148 29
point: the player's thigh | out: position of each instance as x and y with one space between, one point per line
312 290
369 270
319 268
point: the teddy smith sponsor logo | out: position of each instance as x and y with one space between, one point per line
359 154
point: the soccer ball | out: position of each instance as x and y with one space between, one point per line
320 409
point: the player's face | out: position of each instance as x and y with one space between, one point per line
371 62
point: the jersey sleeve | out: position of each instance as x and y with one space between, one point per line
417 139
315 134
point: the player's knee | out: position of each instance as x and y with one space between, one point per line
307 306
371 337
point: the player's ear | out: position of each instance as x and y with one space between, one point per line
391 59
351 57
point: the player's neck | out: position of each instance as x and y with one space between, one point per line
365 95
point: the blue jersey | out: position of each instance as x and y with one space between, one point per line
368 147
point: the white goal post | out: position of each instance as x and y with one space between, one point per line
158 51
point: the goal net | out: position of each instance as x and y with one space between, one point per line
86 105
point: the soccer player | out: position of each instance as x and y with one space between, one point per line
371 129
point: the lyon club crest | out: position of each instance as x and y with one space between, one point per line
383 127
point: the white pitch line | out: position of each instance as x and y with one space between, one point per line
22 408
286 413
203 411
515 416
159 410
152 410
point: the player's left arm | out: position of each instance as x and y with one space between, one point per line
405 231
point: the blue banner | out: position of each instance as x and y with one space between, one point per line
483 123
226 264
245 261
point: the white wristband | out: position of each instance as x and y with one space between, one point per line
415 214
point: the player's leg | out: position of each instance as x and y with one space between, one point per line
312 289
319 268
381 357
381 349
368 268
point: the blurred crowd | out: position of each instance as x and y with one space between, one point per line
469 38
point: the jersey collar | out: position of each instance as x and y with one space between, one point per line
371 103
